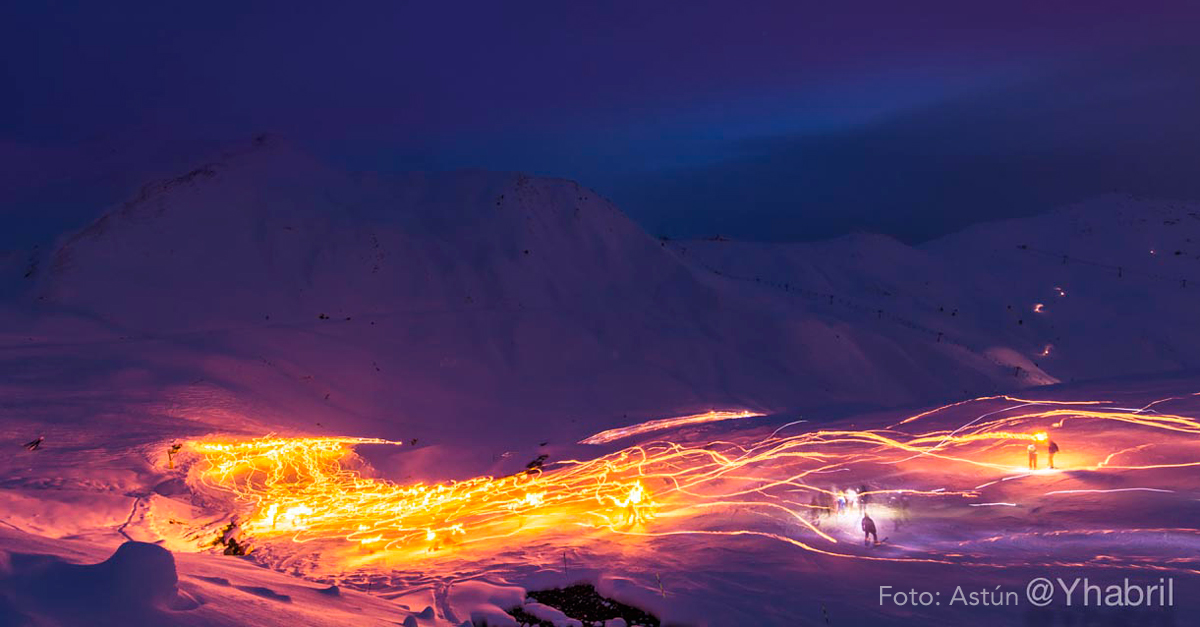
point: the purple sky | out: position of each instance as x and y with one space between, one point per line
765 120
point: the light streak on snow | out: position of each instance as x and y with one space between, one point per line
1010 537
1023 403
991 483
1123 451
1155 466
792 423
1108 491
620 433
313 493
1159 402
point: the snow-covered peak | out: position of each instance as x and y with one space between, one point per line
268 231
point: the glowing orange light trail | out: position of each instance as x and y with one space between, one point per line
620 433
314 490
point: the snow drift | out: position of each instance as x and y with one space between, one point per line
135 585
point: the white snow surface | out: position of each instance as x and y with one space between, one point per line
493 317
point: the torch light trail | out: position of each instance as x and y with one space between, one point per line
621 433
315 492
1110 490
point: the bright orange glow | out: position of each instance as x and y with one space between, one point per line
316 492
308 489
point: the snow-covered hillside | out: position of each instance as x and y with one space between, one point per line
1106 288
481 320
308 295
1118 279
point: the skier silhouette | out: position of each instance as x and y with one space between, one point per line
1051 450
1032 457
869 534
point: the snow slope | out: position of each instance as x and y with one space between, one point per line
1116 278
1107 513
311 296
486 318
67 582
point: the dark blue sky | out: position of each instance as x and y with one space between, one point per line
769 120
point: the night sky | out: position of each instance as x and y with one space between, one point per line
766 120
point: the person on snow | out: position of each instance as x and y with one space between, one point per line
863 499
841 501
35 444
1051 450
869 534
1032 456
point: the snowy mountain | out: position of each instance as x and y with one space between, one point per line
482 319
1117 278
375 301
1106 288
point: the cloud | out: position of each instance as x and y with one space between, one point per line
1129 124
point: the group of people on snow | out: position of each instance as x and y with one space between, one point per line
838 501
1051 451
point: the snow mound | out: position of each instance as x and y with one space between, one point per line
487 602
132 586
